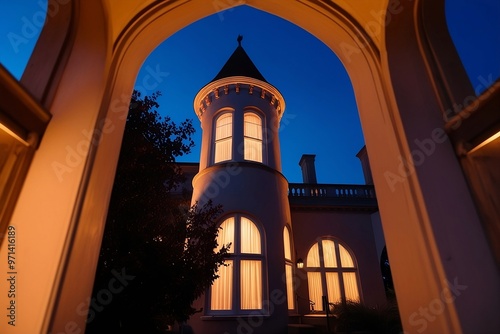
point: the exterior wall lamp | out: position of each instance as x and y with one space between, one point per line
300 263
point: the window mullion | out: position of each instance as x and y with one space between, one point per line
322 270
237 285
340 272
237 273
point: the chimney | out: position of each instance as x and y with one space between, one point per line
365 164
306 163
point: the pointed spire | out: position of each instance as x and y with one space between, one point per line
239 64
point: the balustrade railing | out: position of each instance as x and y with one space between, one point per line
330 190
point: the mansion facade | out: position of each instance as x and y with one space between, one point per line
293 245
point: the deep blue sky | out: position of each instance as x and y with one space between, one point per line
314 83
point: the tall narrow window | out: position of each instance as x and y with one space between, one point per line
288 269
331 272
253 137
222 288
223 137
240 285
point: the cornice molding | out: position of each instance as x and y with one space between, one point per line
217 88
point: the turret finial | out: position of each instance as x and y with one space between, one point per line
239 39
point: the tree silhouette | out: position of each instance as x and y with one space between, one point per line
157 254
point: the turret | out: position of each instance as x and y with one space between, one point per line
240 114
240 168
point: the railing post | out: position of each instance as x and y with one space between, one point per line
332 191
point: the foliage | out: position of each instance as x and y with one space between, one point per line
356 317
151 234
385 268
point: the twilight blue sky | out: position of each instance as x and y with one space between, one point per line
314 83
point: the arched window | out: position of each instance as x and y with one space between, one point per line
331 272
239 288
288 268
253 137
223 137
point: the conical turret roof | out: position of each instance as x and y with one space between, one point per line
239 72
239 64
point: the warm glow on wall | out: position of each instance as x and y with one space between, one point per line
486 142
12 134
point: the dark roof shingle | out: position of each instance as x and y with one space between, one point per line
239 64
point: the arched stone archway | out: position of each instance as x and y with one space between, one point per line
88 78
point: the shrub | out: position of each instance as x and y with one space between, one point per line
356 317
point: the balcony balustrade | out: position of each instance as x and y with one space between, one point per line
332 195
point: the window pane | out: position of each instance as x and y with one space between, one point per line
222 288
253 137
289 287
226 234
224 126
253 130
251 285
329 257
253 149
345 258
286 242
253 126
223 150
250 237
315 290
223 137
313 256
351 287
333 287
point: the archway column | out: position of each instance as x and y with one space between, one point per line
67 74
439 247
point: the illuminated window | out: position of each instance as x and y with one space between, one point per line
253 137
288 269
239 288
223 137
331 272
